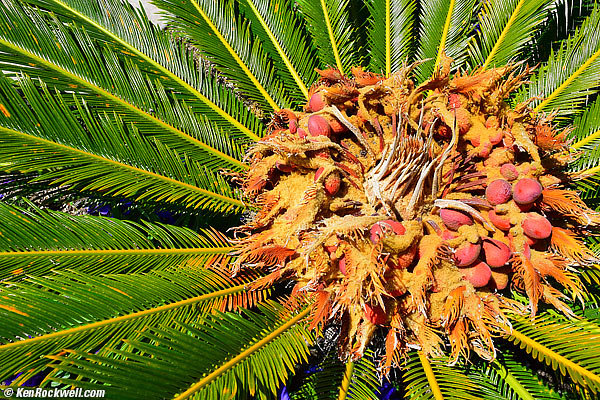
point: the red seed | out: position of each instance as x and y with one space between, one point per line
478 274
466 254
501 222
527 191
463 120
454 219
500 278
331 250
444 131
337 126
525 207
536 226
492 122
332 183
509 171
318 173
449 235
379 229
318 126
496 253
316 102
284 167
406 258
342 265
293 125
375 314
496 137
302 133
498 191
454 101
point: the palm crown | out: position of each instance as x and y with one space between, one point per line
98 105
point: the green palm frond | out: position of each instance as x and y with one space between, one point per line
73 310
246 354
517 381
67 56
157 55
444 27
238 56
435 379
283 37
333 35
335 380
586 137
34 242
505 28
390 33
571 347
586 130
78 154
571 74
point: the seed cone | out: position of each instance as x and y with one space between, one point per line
374 217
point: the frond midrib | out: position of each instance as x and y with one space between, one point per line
243 355
551 354
124 318
164 70
282 53
125 104
116 252
237 58
203 192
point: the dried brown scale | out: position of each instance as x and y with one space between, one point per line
398 185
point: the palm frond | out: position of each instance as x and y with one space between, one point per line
238 56
571 74
444 27
435 379
41 131
34 242
505 29
571 347
333 35
335 380
81 311
280 30
390 33
246 354
586 137
159 56
66 58
518 381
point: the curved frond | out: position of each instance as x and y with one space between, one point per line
122 27
390 33
505 28
586 138
212 26
79 311
251 352
517 381
41 134
444 27
329 26
334 380
34 242
68 59
571 347
280 31
435 379
571 73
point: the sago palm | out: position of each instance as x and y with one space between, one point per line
339 177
